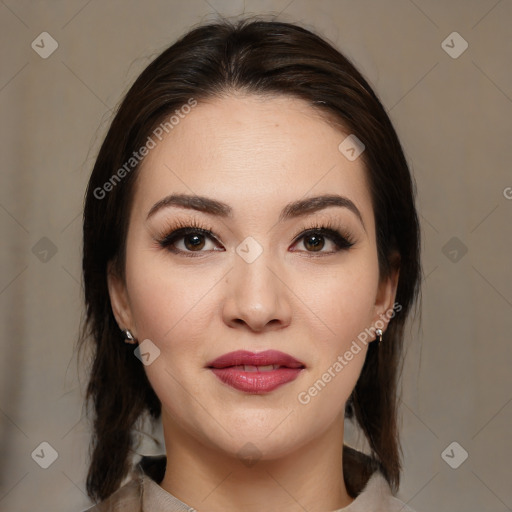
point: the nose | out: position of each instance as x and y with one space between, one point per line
256 299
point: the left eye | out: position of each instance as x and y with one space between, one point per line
316 240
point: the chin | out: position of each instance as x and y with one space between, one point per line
263 444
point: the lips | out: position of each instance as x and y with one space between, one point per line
261 360
256 373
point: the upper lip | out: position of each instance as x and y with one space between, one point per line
243 357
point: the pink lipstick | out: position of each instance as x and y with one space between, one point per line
256 373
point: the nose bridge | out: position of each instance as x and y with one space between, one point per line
254 295
256 279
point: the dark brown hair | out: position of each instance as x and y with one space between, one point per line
256 57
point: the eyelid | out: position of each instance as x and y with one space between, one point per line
179 225
325 226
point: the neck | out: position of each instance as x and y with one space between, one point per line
311 478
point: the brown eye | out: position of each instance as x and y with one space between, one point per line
324 240
190 241
194 242
314 242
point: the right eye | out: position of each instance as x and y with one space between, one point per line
189 240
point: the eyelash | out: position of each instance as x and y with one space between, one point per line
342 240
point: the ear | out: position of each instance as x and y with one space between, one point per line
386 292
119 299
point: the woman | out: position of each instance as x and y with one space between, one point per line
251 254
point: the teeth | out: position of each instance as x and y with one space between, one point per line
267 368
252 368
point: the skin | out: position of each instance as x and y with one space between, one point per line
255 154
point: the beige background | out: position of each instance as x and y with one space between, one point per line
453 117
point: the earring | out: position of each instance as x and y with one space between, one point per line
378 332
128 337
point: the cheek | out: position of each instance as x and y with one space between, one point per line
343 297
174 310
167 302
343 300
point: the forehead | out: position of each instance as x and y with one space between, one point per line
252 151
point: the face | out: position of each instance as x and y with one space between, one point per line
270 268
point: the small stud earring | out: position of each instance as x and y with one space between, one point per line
128 337
378 333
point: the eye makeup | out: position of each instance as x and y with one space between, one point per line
198 233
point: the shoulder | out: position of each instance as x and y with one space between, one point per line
126 499
377 496
395 505
375 493
129 497
365 480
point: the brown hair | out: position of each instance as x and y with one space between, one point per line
263 58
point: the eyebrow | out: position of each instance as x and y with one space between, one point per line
292 210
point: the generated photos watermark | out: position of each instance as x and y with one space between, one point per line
343 360
159 132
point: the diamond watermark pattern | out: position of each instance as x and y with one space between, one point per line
249 249
147 352
454 249
44 249
454 455
45 455
454 45
249 454
44 45
351 147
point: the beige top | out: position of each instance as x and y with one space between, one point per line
144 495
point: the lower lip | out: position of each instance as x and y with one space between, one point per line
256 382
